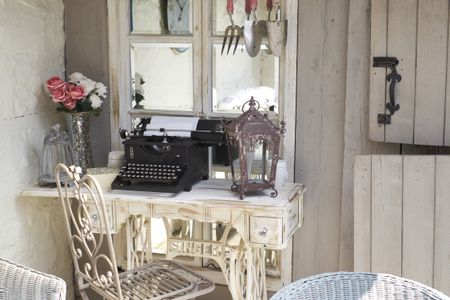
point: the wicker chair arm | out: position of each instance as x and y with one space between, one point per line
19 282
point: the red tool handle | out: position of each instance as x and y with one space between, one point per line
230 7
269 5
250 5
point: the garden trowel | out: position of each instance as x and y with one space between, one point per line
253 30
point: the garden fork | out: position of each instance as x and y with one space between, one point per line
231 31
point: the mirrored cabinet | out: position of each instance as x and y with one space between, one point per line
176 64
166 59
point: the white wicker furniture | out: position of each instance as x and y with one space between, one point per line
18 282
355 286
98 271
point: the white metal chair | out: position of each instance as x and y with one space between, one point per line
18 282
355 286
82 199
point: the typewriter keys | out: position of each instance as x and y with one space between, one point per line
158 173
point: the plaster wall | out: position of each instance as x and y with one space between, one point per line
31 51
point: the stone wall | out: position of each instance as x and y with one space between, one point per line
31 51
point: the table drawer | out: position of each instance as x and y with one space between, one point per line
266 230
187 212
110 215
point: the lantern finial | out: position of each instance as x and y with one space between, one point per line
252 103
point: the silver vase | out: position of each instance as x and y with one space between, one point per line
78 129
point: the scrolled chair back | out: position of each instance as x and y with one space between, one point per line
82 198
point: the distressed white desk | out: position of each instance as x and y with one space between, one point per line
261 223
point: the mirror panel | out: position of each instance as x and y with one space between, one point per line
235 78
161 16
162 76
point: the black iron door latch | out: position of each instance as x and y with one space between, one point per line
393 77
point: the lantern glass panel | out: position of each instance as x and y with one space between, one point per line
259 160
56 150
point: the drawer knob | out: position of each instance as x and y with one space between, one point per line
263 231
94 217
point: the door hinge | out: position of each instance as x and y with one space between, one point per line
393 78
384 119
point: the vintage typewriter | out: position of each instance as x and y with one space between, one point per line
168 154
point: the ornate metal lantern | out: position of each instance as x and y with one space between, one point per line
255 141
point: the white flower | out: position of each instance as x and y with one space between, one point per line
138 82
76 77
140 91
96 102
100 89
88 85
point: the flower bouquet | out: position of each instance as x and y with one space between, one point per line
78 97
78 94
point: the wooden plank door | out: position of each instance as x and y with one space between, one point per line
418 218
416 32
442 225
402 217
431 72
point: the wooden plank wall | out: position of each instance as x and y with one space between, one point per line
356 129
322 59
402 209
332 126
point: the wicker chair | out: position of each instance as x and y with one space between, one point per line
85 215
21 283
353 286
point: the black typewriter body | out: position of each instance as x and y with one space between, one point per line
162 165
165 163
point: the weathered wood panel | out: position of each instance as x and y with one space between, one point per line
378 47
356 134
401 42
408 229
418 218
363 212
416 32
310 142
431 70
447 96
386 238
322 45
442 225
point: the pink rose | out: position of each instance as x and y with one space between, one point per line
70 103
59 95
75 91
55 83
